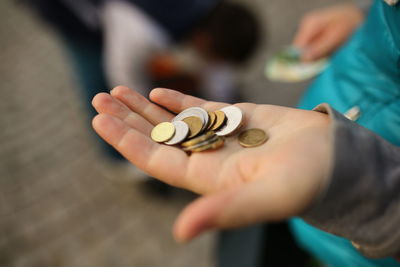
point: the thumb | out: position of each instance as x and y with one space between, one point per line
201 215
249 204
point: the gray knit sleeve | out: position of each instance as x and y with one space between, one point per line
361 201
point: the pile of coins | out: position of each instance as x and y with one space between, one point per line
196 129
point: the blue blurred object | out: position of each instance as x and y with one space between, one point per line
177 17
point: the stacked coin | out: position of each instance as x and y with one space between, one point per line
196 129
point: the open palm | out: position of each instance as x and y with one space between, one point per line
240 185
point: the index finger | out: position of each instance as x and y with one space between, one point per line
141 105
176 101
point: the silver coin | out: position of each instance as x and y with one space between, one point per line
194 111
234 118
181 132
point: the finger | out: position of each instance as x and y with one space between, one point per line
309 28
140 105
176 101
259 201
167 163
325 44
105 103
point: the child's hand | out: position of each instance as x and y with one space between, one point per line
322 31
240 186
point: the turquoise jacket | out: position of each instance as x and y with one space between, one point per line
364 73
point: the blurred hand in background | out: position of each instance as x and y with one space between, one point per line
322 31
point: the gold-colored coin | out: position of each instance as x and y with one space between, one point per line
195 125
220 120
163 132
252 137
211 140
219 142
199 139
212 118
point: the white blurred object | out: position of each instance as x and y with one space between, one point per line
219 82
286 66
131 38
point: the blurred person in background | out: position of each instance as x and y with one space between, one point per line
133 42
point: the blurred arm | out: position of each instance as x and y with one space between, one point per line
131 38
362 201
